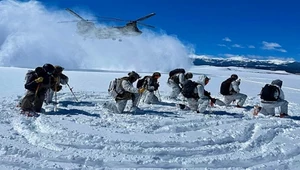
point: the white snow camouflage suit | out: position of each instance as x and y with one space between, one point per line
268 107
203 101
235 94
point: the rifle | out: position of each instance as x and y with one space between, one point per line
55 97
71 89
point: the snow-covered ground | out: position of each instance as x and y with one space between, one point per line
84 135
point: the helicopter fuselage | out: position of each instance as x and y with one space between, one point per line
130 29
87 28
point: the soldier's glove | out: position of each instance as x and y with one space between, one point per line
206 93
141 90
213 100
39 80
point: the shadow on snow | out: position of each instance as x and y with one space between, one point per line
248 108
155 113
73 103
165 104
292 117
71 112
224 113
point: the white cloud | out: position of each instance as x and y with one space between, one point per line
237 46
251 46
222 45
226 39
272 46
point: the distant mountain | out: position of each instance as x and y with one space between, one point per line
288 66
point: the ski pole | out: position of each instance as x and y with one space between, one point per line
158 94
141 95
139 99
72 92
55 98
55 88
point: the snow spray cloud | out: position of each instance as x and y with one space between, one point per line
30 36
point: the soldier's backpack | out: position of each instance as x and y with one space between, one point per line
28 74
225 87
270 93
141 82
188 89
176 71
115 87
38 71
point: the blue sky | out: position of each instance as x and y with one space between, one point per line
253 28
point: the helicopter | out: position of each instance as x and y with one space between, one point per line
87 28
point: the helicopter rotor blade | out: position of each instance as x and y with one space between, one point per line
146 25
145 17
88 20
75 14
67 21
113 19
139 19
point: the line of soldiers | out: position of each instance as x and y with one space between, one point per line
41 84
198 99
